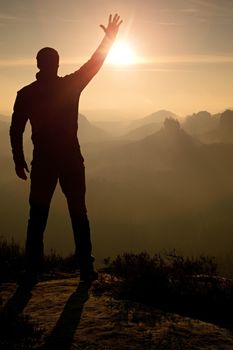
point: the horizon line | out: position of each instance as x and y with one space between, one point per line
139 61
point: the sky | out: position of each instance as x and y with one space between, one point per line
184 52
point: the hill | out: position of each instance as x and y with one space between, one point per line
154 152
200 123
142 131
156 117
165 190
211 129
88 132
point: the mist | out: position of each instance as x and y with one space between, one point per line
155 183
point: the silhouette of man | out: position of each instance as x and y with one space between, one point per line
51 105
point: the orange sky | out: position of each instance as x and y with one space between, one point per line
184 47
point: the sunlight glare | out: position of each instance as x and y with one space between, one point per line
121 53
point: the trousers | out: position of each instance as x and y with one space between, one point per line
45 174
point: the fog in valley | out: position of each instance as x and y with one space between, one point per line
156 183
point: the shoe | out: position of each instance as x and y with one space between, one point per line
88 275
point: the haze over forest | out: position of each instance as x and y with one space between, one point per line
154 183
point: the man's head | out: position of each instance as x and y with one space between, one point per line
48 60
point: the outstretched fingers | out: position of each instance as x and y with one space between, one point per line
113 24
116 21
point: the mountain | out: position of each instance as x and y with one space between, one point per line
114 128
200 123
87 132
156 117
226 126
170 136
167 190
219 128
142 131
162 150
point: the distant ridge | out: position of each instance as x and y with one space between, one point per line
170 137
88 132
161 148
143 131
156 117
201 122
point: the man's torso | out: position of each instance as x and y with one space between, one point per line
52 108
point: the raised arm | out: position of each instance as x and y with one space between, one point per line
91 67
18 122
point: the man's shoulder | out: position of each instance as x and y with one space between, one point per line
27 89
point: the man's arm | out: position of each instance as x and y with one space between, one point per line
91 67
18 123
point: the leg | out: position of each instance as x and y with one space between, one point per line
43 183
72 181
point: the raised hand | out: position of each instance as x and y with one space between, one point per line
113 25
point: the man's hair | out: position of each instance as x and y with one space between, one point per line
47 58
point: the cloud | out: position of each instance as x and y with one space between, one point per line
213 7
184 63
190 10
211 4
206 8
169 23
150 62
4 63
7 17
26 62
201 59
4 17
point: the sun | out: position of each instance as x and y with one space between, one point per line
121 54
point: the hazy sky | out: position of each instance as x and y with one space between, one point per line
185 49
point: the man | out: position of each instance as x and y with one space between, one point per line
51 104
